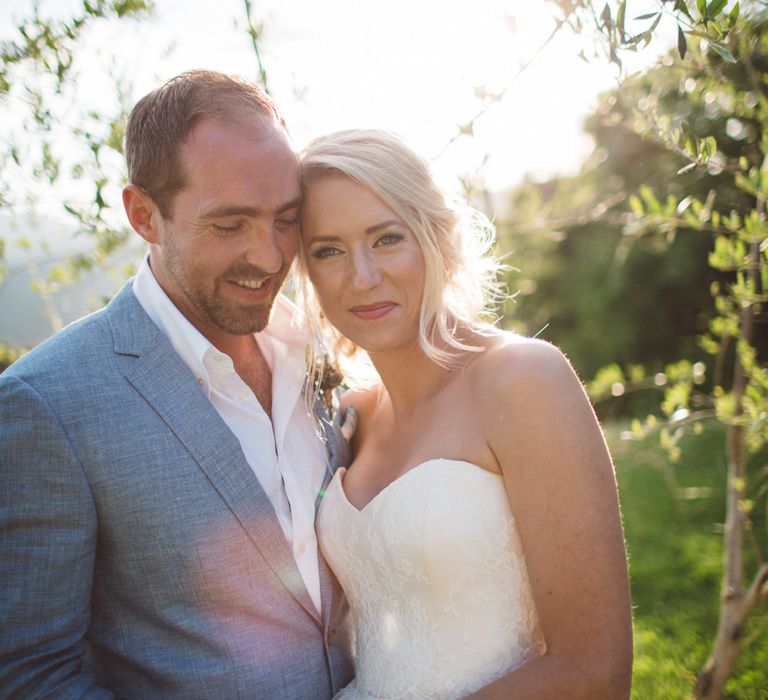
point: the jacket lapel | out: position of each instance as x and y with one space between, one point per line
166 383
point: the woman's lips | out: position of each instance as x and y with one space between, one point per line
369 312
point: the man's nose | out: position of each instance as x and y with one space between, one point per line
263 249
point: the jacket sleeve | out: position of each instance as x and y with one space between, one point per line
47 552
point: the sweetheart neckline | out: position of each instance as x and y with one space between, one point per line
432 460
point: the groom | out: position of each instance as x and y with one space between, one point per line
158 471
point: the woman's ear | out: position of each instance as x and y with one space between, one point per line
142 213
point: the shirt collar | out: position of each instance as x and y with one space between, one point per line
285 336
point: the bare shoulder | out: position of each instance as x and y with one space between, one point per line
534 410
513 366
524 390
362 398
364 401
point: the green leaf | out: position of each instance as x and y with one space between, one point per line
714 8
605 15
682 43
620 17
733 15
648 15
718 29
690 139
633 41
682 6
654 24
746 505
725 53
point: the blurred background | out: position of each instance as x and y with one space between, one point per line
620 149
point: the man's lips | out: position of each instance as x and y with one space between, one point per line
252 288
373 311
250 284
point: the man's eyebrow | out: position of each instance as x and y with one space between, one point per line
236 210
293 204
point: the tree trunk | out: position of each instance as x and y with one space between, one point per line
735 602
733 616
711 679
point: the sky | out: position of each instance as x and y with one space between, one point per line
413 66
417 67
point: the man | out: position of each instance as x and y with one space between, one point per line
158 471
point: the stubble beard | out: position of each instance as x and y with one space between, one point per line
212 306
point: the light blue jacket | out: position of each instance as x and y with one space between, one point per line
139 556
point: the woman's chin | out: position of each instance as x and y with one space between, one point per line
380 336
377 346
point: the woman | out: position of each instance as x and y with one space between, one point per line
477 531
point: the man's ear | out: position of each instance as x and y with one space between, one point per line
142 212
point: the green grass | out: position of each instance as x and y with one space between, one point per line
673 526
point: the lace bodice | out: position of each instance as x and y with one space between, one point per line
436 581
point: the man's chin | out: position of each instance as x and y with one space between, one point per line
244 323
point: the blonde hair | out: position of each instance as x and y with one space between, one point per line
461 273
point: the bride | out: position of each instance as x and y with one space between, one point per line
476 533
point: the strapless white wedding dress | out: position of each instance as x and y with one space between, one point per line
436 581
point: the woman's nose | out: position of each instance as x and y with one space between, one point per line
365 272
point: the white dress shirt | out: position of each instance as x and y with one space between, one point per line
285 453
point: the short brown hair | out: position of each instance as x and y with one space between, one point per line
160 122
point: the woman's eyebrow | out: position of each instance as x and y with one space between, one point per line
383 224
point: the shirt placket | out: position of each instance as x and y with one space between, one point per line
232 389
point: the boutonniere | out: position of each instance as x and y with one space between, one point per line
324 377
329 378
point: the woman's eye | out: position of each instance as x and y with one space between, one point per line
325 252
388 239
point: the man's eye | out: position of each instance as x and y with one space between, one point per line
226 230
325 252
287 223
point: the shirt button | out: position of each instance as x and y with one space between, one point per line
201 381
302 548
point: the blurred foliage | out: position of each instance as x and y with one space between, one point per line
49 46
9 355
658 250
603 293
255 32
673 528
39 81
